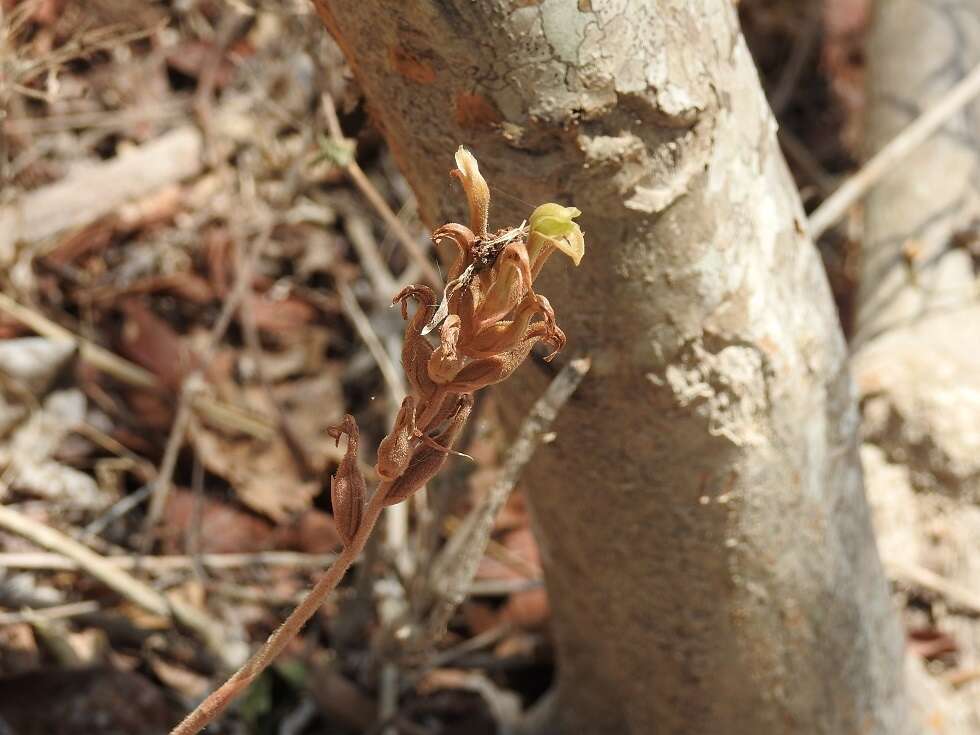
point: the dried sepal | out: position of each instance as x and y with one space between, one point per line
446 360
347 487
476 189
416 349
396 449
427 459
490 370
506 335
511 283
463 238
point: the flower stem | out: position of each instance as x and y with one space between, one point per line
220 698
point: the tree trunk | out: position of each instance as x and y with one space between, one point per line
918 320
704 531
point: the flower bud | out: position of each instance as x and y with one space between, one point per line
416 350
552 227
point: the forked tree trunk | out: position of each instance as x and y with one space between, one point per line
704 529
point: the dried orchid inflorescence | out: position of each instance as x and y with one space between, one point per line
483 327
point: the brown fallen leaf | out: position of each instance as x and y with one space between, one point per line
281 317
263 474
152 343
226 528
223 527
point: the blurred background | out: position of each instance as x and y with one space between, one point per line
200 234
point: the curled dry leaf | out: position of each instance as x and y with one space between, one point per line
265 474
347 487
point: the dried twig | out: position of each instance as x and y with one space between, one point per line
120 581
956 596
224 415
455 567
391 374
362 182
161 483
858 185
98 190
55 612
803 46
358 231
171 563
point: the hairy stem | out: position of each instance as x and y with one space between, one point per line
220 698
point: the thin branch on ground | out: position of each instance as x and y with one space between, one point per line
55 612
161 483
363 183
498 552
358 231
391 374
956 596
803 48
453 570
171 562
121 582
858 185
222 414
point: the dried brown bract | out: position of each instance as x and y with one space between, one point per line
429 456
347 486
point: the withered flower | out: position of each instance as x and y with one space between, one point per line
488 319
429 456
477 333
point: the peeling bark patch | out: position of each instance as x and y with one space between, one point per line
475 111
727 389
412 65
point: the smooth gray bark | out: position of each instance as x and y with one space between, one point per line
701 514
918 320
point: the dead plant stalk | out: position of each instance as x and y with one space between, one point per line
488 319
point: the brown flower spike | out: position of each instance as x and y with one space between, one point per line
488 320
482 328
477 333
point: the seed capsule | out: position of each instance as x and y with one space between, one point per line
396 449
429 457
347 487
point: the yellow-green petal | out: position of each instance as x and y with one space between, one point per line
554 223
